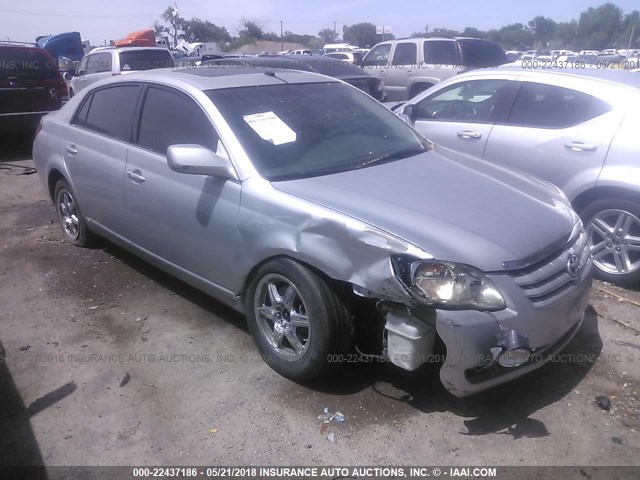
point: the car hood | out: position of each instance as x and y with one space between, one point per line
453 206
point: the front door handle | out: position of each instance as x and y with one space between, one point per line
71 149
580 147
469 134
136 176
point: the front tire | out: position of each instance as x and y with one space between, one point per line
74 227
613 231
299 324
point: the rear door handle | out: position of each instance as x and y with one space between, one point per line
580 147
71 149
136 176
469 134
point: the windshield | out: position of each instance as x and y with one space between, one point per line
145 60
303 130
29 64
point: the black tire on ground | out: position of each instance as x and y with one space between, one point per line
74 229
589 212
71 94
330 328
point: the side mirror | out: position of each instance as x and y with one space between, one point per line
407 114
69 75
198 160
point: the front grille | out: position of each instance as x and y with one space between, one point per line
549 279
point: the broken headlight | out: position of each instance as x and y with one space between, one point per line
448 285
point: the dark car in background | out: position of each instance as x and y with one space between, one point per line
331 67
30 86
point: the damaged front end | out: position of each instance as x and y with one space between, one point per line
495 327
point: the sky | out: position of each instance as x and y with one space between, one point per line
107 20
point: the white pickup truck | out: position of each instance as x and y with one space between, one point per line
409 66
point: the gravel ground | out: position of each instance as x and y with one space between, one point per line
109 361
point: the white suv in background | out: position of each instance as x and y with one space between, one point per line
106 62
409 66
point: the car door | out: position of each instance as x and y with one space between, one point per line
376 62
403 63
79 80
187 220
556 133
461 115
95 153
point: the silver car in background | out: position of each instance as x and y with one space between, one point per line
578 130
304 203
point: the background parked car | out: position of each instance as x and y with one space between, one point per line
30 86
309 63
409 66
577 130
105 62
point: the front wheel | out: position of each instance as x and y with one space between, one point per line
299 324
613 231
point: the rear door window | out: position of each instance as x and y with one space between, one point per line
405 54
111 111
171 118
481 53
145 59
438 52
99 63
547 106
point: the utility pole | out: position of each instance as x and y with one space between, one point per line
426 30
281 38
630 41
334 27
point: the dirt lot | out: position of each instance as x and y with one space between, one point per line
74 322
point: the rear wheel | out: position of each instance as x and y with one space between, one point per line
299 324
74 228
613 230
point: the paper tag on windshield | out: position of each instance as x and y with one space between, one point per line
270 127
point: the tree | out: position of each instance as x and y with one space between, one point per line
599 27
328 35
196 30
630 20
473 32
170 15
251 29
566 36
516 36
362 35
543 29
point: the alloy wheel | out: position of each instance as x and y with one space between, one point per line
282 317
614 236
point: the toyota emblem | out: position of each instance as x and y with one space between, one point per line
573 265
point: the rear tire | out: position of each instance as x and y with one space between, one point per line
74 227
613 230
300 326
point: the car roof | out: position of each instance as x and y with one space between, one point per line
323 65
203 78
612 76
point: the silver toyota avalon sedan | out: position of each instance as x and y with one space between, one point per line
335 227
